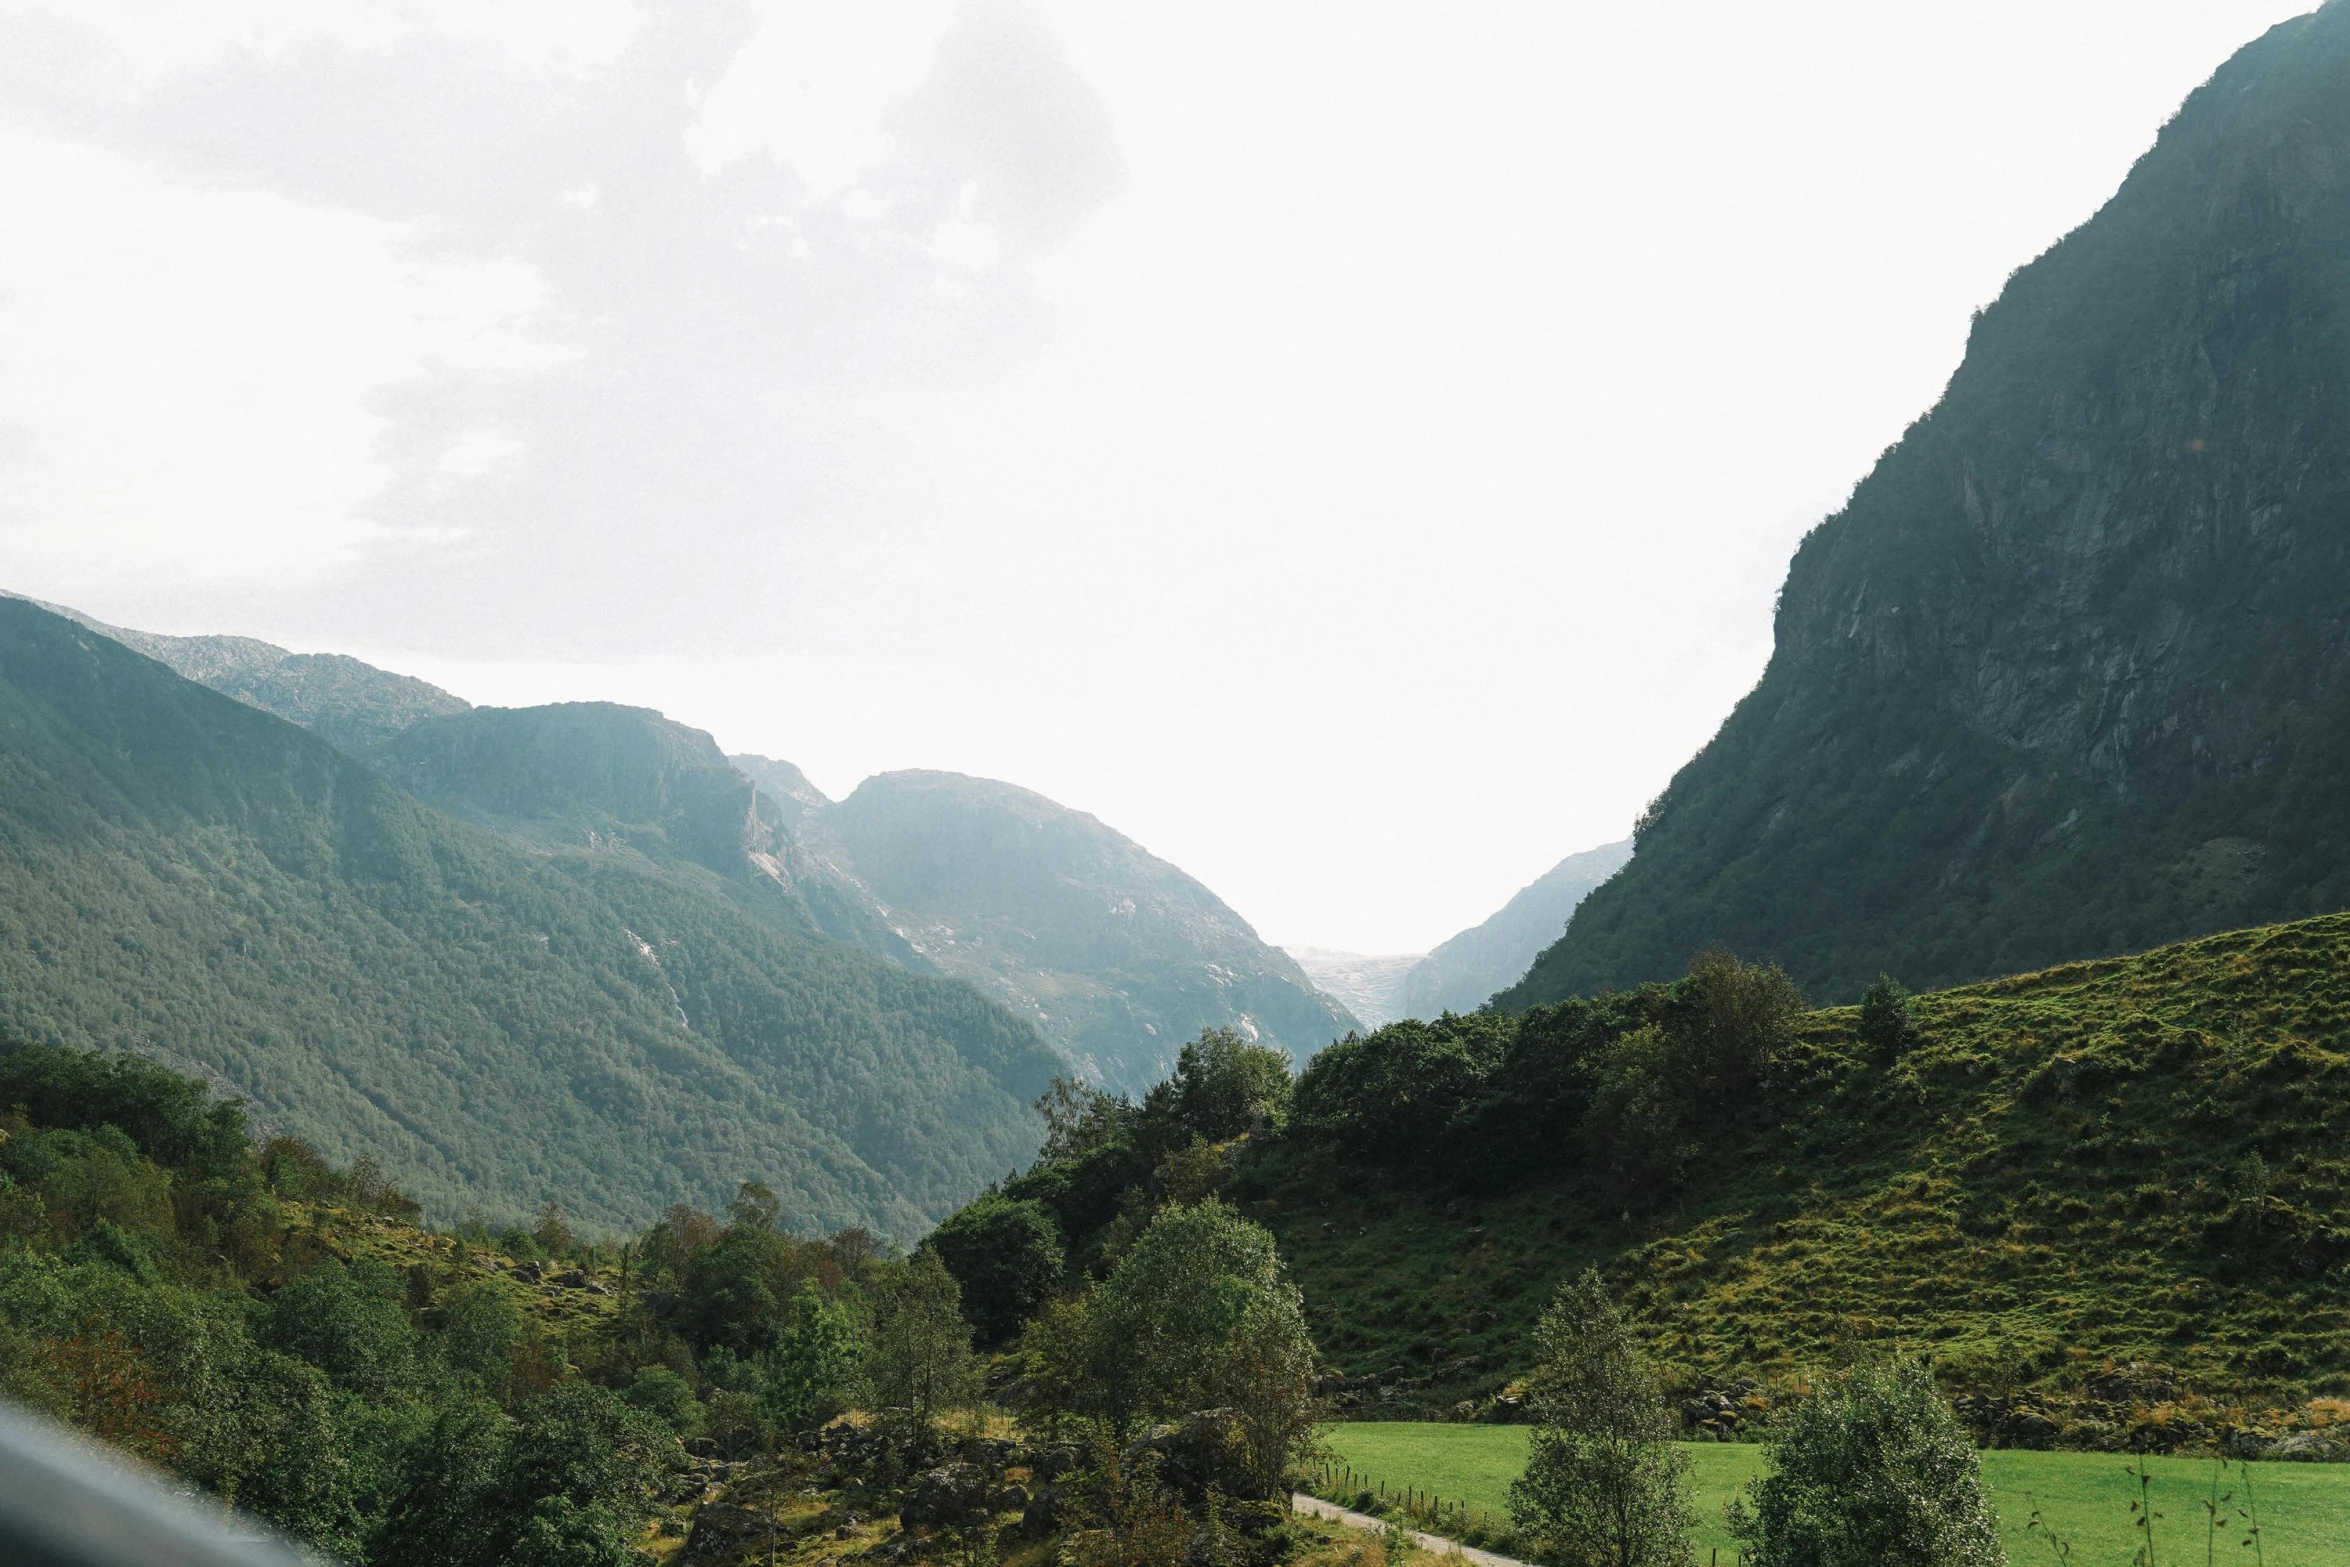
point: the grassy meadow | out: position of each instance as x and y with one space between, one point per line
2304 1508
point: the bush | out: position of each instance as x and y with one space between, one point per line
1888 1018
1873 1469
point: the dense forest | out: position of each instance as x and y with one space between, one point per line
2064 678
203 883
279 1332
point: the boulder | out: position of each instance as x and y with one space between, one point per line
2308 1447
952 1496
722 1526
1205 1451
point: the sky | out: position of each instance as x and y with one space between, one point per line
1351 448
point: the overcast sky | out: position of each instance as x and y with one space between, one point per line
1351 448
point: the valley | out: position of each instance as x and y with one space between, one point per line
540 1137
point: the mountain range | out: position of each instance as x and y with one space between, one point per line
1115 955
706 932
2069 675
497 1023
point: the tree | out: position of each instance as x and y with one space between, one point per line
481 1329
1603 1482
1198 1315
1637 1120
1888 1018
812 1372
668 1397
1221 1087
1078 1118
1874 1468
348 1323
552 1233
1007 1256
921 1360
1737 1020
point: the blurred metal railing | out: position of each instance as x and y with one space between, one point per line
67 1502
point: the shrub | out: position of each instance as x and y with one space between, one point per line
1873 1469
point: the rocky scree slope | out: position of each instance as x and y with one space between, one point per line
1116 955
189 878
2066 676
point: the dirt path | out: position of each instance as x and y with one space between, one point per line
1314 1505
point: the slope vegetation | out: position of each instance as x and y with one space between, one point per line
184 876
2066 675
2109 1187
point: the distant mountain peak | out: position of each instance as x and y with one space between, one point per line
1118 956
342 700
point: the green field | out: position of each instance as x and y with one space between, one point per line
2304 1508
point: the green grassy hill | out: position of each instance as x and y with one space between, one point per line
2065 677
2139 1160
186 877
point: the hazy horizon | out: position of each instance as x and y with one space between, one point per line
1352 453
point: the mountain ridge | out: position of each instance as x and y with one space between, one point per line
1118 955
2069 674
184 875
341 699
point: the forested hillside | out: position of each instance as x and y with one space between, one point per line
2065 677
184 876
604 781
1116 955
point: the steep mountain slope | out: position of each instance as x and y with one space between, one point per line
2066 675
346 702
1463 973
184 876
1367 984
2136 1160
1115 954
625 782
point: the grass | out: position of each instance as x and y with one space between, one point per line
2048 1183
2304 1508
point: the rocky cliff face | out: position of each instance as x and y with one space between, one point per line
2065 677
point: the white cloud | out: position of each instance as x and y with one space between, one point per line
815 85
193 373
119 49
